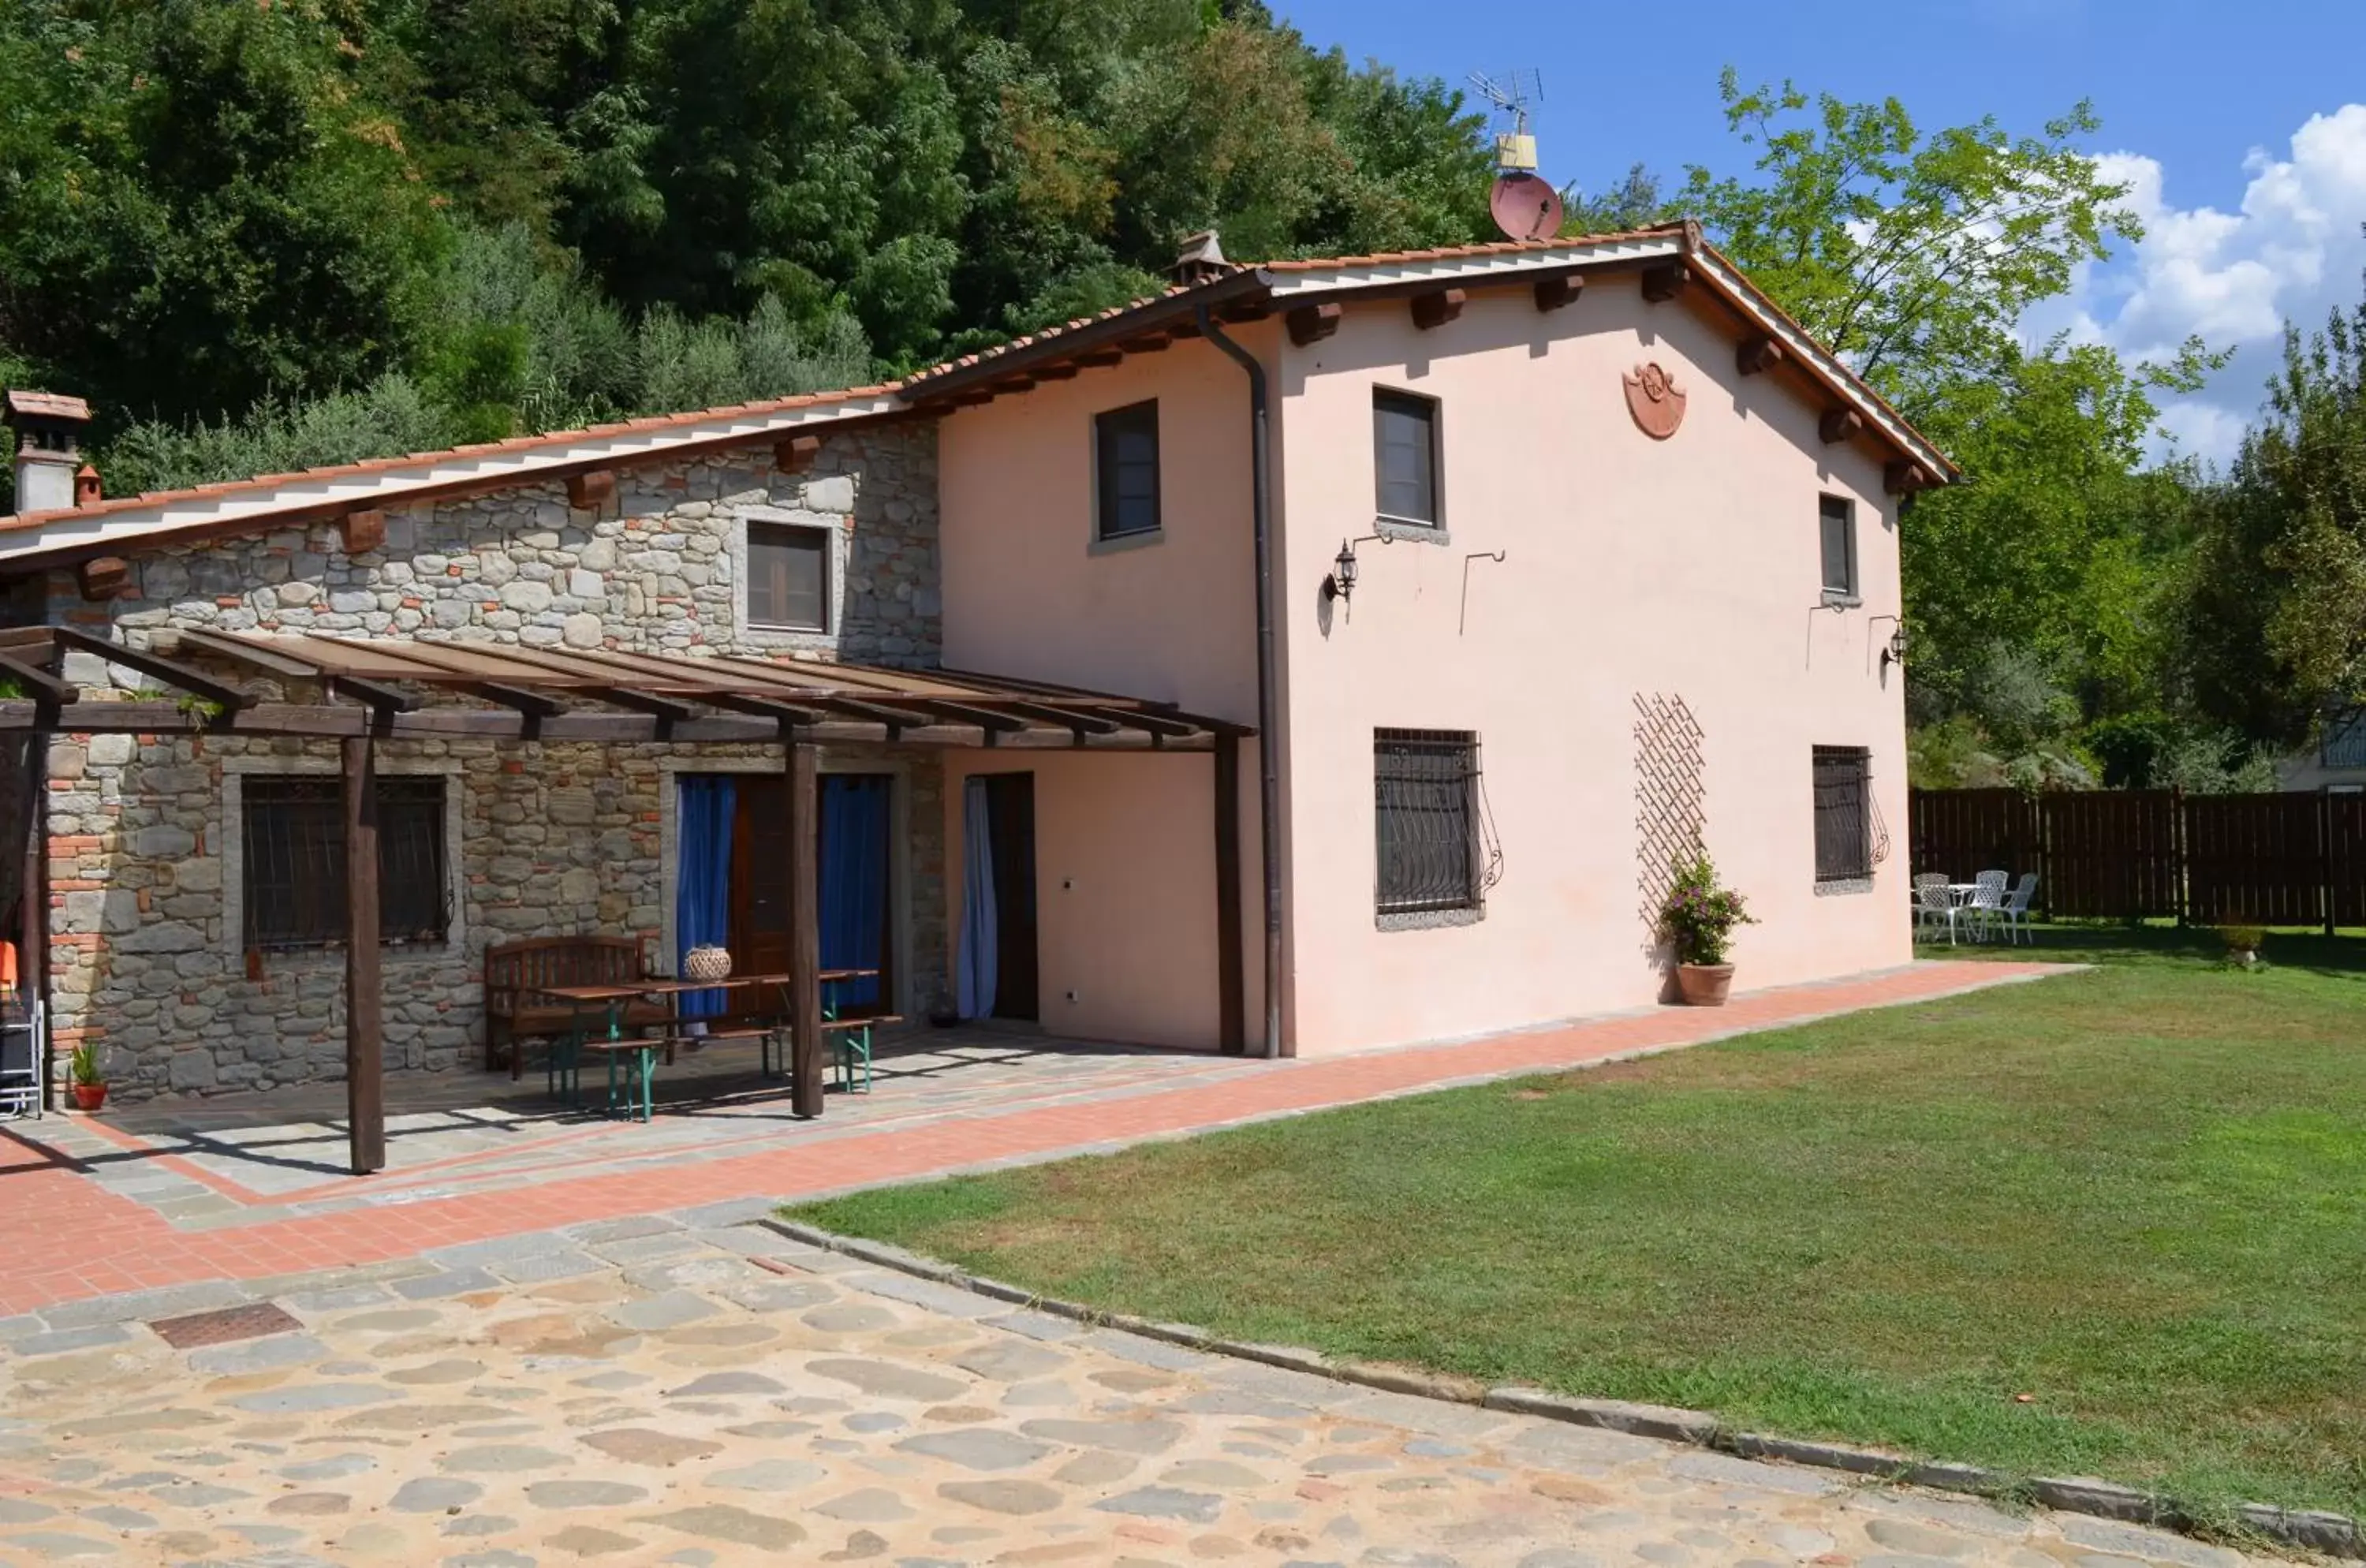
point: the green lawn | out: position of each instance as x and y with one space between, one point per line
2137 1194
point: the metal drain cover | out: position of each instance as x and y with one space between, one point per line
221 1327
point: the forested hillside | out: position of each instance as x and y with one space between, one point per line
474 216
263 234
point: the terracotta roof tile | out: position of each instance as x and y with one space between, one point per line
379 465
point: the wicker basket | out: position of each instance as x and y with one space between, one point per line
707 964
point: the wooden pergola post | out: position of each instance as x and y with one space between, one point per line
806 1059
1231 1028
364 997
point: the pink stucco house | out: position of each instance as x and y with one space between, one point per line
1506 570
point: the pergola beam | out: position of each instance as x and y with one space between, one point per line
196 683
365 996
805 1054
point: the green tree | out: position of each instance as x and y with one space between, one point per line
2276 606
205 206
1917 258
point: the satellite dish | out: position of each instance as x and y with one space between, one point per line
1525 206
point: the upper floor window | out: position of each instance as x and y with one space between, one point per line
1125 471
788 576
1404 456
1838 531
293 861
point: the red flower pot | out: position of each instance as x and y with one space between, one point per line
89 1096
1704 985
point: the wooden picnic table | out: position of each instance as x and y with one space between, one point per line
587 1000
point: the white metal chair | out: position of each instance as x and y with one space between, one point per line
1934 904
2015 908
1986 902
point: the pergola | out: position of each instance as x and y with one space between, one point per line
362 691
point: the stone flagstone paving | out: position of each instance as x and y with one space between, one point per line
637 1390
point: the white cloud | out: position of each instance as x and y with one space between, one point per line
2291 253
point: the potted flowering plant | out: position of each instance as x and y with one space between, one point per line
89 1078
1698 922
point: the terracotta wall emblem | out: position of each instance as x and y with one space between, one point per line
1655 400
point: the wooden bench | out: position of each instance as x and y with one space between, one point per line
640 1058
516 973
850 1038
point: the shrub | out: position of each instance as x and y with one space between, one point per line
1699 917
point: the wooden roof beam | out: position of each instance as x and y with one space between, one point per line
1312 323
1757 355
1081 722
1838 425
1561 289
196 683
1665 281
1906 478
46 689
1438 307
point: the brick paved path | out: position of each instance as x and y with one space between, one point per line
633 1391
92 1212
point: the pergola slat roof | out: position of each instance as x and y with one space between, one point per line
391 687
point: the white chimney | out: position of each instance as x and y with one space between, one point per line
49 448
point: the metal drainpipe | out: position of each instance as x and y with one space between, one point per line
1268 760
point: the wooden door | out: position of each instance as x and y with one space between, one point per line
759 881
1010 816
760 889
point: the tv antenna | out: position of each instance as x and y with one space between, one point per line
1524 204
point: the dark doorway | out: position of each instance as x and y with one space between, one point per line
853 863
1010 812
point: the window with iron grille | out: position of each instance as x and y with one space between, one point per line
1843 813
1426 793
294 861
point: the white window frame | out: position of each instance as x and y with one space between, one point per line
236 771
834 558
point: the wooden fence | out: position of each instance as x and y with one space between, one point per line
2275 860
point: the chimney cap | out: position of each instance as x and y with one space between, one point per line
1201 258
48 405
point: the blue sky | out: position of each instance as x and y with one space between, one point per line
2241 129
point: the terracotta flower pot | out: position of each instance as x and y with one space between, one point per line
89 1096
1704 985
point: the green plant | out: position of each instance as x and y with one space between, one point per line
85 1065
1699 915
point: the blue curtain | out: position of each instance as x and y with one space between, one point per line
702 909
853 892
980 958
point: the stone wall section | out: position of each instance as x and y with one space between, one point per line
555 839
650 571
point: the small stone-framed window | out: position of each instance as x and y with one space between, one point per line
788 572
788 576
